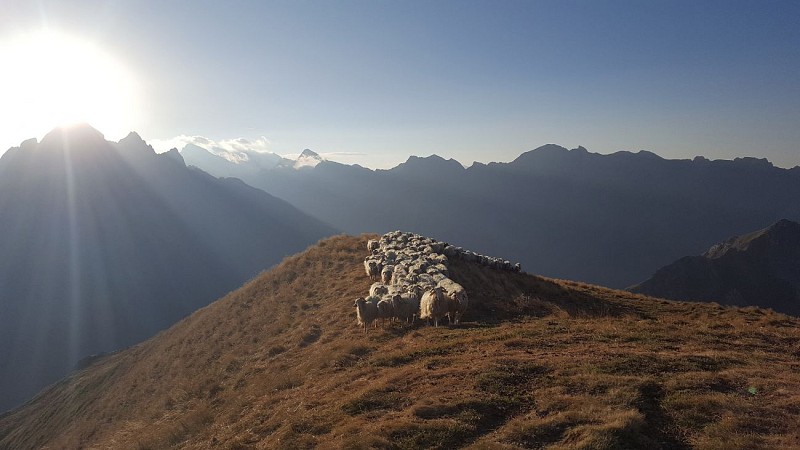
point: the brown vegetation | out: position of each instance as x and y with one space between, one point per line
537 363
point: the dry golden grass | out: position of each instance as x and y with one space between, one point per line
538 363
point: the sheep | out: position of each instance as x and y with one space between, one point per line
457 299
470 256
385 309
438 268
406 306
420 266
437 277
407 266
462 301
378 289
373 269
426 280
386 274
367 267
398 279
438 259
373 245
416 290
433 305
398 275
366 311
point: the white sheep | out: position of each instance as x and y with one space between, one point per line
437 277
457 300
373 244
366 311
438 268
373 269
399 275
378 289
385 309
386 274
406 306
426 280
433 305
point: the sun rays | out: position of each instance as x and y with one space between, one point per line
51 79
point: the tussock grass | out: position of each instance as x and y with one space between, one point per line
537 363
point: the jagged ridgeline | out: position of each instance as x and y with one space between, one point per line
412 279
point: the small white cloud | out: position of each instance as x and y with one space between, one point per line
259 151
235 150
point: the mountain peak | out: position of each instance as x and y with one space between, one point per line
133 145
774 233
546 150
754 162
783 223
80 132
307 159
133 136
433 160
174 155
309 153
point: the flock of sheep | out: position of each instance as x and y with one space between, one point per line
411 279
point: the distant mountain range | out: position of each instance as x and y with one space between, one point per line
103 244
605 219
760 268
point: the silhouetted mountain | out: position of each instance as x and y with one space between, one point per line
537 363
606 219
103 244
760 268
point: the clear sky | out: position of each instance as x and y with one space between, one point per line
375 81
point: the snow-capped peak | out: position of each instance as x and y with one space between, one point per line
307 159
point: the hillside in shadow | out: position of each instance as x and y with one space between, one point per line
758 268
102 244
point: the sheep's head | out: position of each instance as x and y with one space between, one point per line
359 302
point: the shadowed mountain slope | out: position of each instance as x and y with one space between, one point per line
760 268
605 219
281 363
103 244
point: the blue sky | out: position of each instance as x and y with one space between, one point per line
375 81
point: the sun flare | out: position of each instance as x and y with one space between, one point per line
50 79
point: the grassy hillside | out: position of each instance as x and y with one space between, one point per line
538 363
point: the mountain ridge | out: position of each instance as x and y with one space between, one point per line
106 243
761 268
606 219
281 362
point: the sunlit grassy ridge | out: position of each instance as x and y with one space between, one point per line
538 363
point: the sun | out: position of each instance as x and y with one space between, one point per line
49 79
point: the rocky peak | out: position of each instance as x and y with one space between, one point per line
307 159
